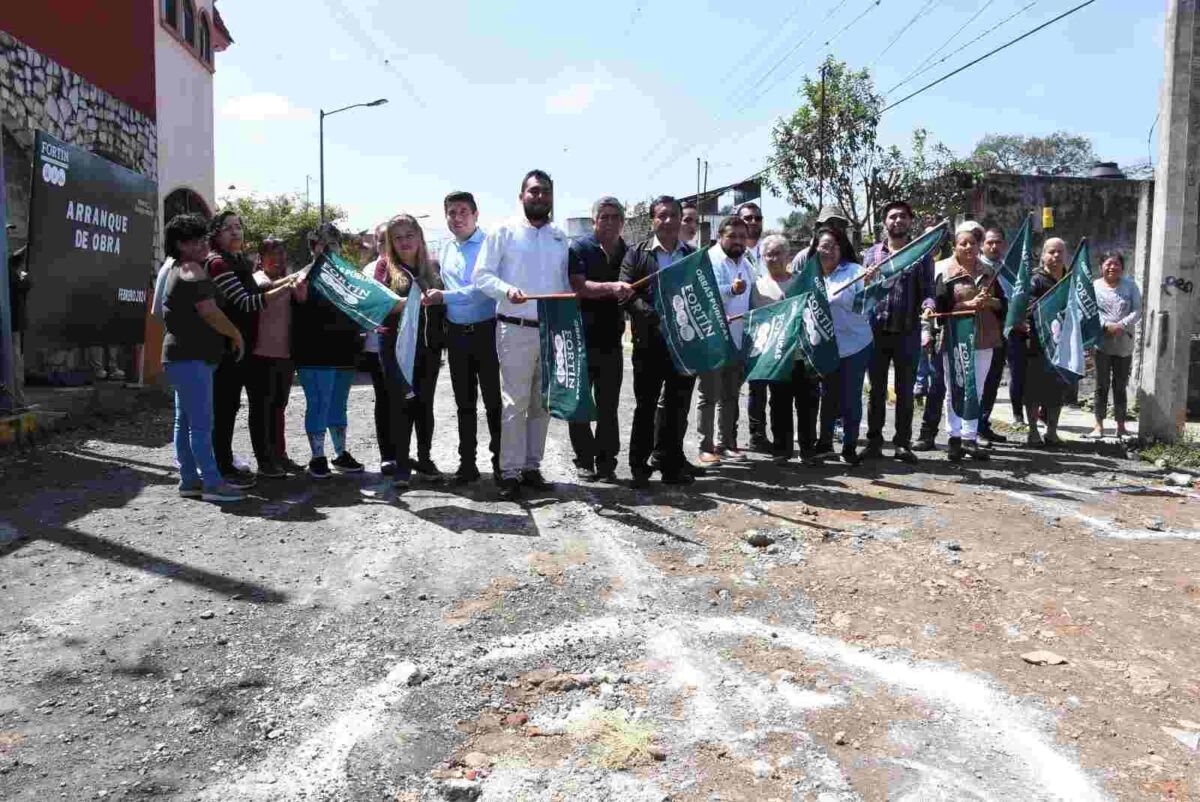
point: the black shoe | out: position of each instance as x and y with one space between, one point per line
535 481
238 478
388 467
993 436
1019 418
956 449
586 473
972 450
401 480
425 469
344 463
823 450
607 477
318 468
851 457
761 445
926 442
678 478
269 470
873 451
640 481
291 466
509 489
465 475
904 454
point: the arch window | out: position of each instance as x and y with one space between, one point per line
189 23
170 13
184 201
205 39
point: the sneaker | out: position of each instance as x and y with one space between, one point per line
731 453
509 489
269 470
190 490
535 481
318 468
425 469
291 466
344 463
116 375
221 493
238 479
926 442
904 454
873 451
678 478
465 475
709 458
387 467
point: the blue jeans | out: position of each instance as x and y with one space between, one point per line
193 383
847 384
326 393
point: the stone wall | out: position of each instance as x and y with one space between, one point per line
37 93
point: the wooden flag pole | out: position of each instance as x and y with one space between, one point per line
552 296
964 313
1067 273
891 256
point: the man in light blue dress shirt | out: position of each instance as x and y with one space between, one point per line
471 335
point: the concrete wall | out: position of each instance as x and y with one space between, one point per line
185 112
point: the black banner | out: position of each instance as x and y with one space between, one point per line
91 248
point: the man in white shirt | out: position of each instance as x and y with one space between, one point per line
751 214
720 388
523 257
756 403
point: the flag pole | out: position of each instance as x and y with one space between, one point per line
891 256
552 296
996 275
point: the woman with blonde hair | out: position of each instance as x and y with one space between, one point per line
406 267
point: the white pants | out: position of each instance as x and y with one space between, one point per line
523 421
956 426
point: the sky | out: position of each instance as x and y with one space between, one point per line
621 97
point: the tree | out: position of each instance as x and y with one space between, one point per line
826 152
935 181
285 216
798 226
1059 153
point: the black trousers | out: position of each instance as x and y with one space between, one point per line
991 386
935 398
268 386
475 371
370 362
1114 370
901 351
654 373
599 449
794 409
228 381
413 414
1017 347
756 410
829 397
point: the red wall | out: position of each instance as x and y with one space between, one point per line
109 43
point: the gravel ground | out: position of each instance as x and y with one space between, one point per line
770 633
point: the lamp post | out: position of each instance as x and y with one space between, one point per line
323 115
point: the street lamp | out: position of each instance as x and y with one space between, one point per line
325 114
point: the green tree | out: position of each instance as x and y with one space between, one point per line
286 216
798 226
935 181
1059 153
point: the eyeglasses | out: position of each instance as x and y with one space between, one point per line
750 218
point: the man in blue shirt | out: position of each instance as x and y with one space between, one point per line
594 270
471 335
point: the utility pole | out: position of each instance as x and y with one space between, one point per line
1170 312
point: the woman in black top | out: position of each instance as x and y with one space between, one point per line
193 345
1045 387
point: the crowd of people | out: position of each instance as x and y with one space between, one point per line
231 328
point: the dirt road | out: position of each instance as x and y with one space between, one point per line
767 634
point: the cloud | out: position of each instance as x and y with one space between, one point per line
262 107
577 97
337 55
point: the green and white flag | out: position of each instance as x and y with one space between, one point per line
1068 318
1020 253
771 335
818 344
893 267
964 384
691 315
566 390
361 298
1083 307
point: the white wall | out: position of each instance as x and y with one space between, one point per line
185 114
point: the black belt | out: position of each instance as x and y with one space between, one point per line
517 321
467 328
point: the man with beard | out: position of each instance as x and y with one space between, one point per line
523 257
756 402
752 216
595 270
720 388
896 324
653 370
991 257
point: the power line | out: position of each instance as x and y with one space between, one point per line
896 36
987 55
934 54
919 71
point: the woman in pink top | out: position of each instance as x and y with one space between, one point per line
269 374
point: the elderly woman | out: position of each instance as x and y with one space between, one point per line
965 285
1045 387
1120 309
842 271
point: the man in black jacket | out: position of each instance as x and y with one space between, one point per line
653 370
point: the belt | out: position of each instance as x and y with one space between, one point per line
517 321
467 328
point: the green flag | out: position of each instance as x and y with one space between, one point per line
818 344
1084 308
1068 318
964 384
361 298
566 391
1020 253
1050 316
691 315
772 333
893 267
